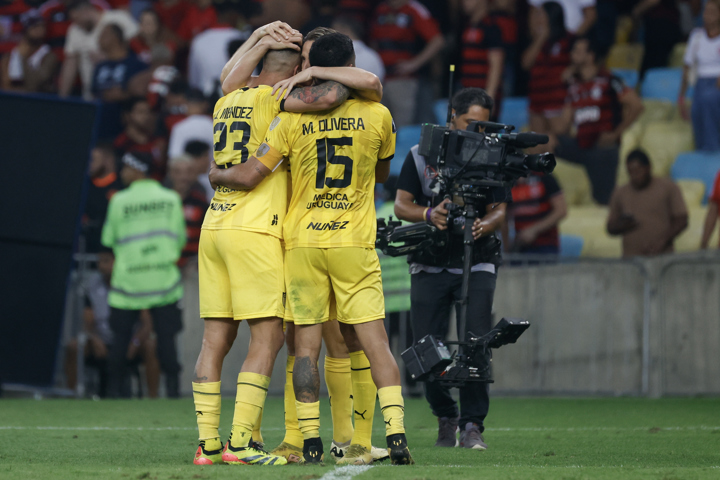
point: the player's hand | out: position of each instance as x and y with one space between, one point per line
213 175
284 87
682 107
278 30
439 214
293 42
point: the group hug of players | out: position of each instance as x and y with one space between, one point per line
288 243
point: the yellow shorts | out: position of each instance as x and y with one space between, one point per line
351 274
241 275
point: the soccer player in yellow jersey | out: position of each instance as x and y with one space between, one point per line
241 257
335 159
347 373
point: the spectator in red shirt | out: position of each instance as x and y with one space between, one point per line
503 13
547 59
182 178
536 210
11 25
482 54
171 13
199 16
139 135
601 107
712 214
57 15
399 26
151 33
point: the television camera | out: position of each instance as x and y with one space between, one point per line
469 167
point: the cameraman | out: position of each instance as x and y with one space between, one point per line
436 278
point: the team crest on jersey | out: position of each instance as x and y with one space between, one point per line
263 149
274 123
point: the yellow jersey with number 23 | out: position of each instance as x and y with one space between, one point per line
240 120
332 158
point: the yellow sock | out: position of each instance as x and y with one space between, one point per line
207 409
393 409
249 401
364 394
293 435
339 384
256 433
308 419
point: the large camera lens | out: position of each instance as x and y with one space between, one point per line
543 162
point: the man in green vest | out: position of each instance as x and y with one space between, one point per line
145 227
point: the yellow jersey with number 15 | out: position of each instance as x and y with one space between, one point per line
332 158
240 120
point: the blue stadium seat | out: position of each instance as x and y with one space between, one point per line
662 84
515 112
571 246
697 165
407 137
440 109
628 76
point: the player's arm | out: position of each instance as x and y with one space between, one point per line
241 72
387 148
243 176
324 96
366 84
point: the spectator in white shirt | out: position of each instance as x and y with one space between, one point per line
703 55
197 126
365 57
82 51
209 50
580 15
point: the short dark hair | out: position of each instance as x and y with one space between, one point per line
331 50
593 47
117 30
316 33
197 148
80 4
639 156
467 97
106 147
130 103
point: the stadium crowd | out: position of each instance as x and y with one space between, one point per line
585 72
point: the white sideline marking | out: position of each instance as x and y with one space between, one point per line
346 473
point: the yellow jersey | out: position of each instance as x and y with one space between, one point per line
332 157
240 120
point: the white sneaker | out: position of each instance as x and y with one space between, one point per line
379 454
338 449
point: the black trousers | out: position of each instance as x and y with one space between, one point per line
601 165
167 322
432 296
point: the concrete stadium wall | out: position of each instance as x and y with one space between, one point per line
646 327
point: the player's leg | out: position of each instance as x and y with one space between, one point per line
355 274
291 446
266 340
306 383
219 334
257 288
308 298
339 384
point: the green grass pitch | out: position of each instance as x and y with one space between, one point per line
529 438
